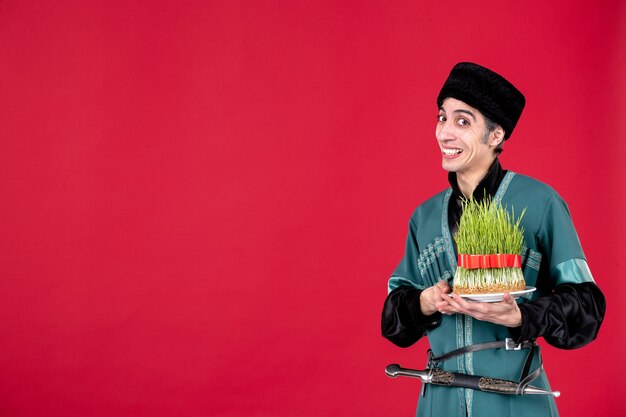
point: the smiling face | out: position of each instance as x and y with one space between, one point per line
467 147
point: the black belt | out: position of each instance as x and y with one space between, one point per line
508 344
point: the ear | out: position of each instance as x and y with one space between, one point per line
497 136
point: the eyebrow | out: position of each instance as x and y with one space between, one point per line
460 111
466 112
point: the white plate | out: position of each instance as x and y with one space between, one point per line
496 297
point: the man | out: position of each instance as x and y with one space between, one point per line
478 111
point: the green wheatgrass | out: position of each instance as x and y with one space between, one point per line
487 228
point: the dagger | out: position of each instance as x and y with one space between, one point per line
437 376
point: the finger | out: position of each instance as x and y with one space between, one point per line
445 297
454 303
508 298
446 309
443 286
449 301
438 293
475 309
462 303
444 306
443 300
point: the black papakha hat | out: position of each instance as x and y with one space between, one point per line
483 89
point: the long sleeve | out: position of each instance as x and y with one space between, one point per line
571 314
569 318
402 322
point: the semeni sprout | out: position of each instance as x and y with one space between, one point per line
487 228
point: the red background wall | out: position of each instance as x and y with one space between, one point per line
202 201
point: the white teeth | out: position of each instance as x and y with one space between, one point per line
450 151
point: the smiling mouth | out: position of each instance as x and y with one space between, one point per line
451 151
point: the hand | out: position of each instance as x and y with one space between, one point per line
505 313
432 295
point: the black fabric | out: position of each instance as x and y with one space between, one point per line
488 186
402 320
567 319
486 91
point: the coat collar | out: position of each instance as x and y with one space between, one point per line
487 186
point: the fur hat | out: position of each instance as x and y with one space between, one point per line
483 89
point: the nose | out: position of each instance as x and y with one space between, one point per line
443 132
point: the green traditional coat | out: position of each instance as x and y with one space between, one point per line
552 256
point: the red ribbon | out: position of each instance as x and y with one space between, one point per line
490 261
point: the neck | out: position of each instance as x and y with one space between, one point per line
469 180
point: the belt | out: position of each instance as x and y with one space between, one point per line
507 344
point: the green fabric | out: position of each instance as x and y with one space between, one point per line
572 271
552 256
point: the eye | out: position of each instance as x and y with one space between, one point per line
463 122
441 118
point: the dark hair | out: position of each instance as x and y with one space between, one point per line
490 126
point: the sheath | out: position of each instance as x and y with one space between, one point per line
552 259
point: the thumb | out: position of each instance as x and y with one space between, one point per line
508 298
445 288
